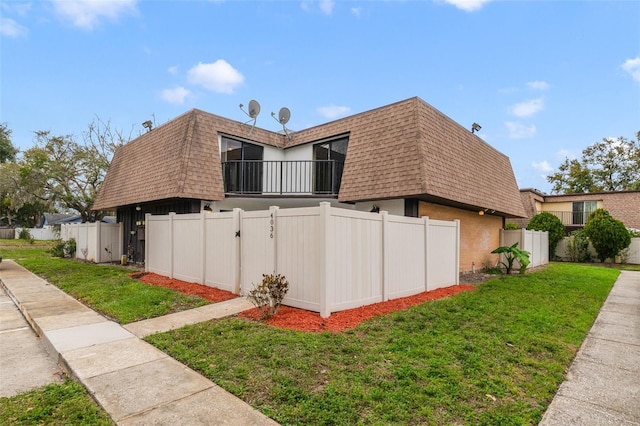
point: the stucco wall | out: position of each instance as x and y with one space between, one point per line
479 235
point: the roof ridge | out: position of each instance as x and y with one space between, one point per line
186 150
421 134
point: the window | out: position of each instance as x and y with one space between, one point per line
329 158
581 211
242 166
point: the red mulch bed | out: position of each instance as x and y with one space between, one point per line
299 319
210 293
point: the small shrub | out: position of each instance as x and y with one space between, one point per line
578 247
546 221
512 254
268 295
608 236
25 235
63 248
511 226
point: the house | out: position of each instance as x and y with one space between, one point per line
49 220
406 158
574 209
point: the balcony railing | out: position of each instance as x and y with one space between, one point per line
572 218
304 177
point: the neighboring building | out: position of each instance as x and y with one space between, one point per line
406 158
50 220
574 209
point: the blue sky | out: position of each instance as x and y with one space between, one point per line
544 79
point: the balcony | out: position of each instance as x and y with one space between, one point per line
577 218
270 178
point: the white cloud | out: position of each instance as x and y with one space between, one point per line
528 108
468 5
172 70
538 85
632 66
326 6
519 130
333 111
19 8
86 14
542 166
218 76
177 95
356 11
10 28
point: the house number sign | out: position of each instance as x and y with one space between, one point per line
271 223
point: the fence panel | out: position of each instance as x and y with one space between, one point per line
630 255
110 247
354 259
535 242
633 253
257 247
7 233
96 242
298 255
46 234
334 259
443 253
222 262
158 245
405 258
187 247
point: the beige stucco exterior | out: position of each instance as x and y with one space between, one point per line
479 234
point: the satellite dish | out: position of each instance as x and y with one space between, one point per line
284 115
254 109
283 118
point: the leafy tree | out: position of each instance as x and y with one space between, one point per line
608 236
608 165
68 172
7 151
546 221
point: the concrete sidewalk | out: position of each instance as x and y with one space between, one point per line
603 382
24 362
133 381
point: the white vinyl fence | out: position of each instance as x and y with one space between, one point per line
39 233
633 252
630 255
96 242
334 259
535 242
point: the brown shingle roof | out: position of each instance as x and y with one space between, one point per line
406 149
179 159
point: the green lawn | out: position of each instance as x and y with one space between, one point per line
492 356
107 289
66 403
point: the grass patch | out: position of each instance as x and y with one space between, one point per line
21 249
493 356
107 289
66 403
